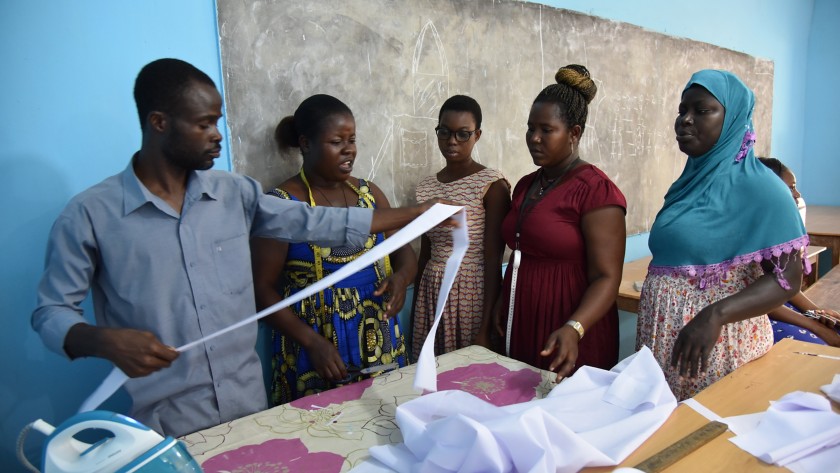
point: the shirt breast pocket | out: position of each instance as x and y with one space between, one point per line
233 264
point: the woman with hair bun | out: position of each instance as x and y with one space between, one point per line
566 227
324 340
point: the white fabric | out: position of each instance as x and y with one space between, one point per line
429 219
799 431
832 390
736 424
594 418
425 377
702 410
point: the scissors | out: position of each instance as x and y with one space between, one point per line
353 371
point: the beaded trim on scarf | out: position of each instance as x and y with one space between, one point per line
714 273
746 144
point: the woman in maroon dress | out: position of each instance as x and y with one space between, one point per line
566 227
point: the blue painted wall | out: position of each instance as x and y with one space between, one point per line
69 121
820 157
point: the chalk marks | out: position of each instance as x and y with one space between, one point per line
410 146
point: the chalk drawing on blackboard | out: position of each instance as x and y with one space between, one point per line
410 146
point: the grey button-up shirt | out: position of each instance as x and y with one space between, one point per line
180 277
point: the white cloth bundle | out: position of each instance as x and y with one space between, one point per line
594 418
799 432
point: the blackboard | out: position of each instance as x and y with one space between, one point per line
395 62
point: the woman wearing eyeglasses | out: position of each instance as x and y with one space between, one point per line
566 227
485 193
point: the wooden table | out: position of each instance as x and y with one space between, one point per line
636 270
747 390
826 292
332 431
814 252
628 296
823 224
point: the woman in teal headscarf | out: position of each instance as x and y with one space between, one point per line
725 244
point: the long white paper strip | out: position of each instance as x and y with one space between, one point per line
428 220
426 375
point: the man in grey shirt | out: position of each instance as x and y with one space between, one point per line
164 248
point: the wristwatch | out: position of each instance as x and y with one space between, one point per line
577 326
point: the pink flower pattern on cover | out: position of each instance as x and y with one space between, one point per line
278 455
492 382
349 392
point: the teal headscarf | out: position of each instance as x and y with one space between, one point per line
726 208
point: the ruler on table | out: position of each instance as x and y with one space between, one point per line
682 447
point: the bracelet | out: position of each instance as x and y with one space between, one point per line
577 326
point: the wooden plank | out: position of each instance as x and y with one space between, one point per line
826 291
823 224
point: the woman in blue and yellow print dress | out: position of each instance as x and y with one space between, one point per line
323 340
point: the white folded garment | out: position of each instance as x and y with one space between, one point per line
594 418
832 390
799 431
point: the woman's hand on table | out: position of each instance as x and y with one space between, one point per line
563 344
694 344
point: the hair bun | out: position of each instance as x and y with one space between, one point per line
578 78
285 134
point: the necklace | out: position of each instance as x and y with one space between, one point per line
332 204
546 183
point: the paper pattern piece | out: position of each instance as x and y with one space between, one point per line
426 221
702 410
594 418
799 432
426 378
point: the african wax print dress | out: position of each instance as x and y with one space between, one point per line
347 313
465 305
783 330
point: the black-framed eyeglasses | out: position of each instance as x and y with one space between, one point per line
462 136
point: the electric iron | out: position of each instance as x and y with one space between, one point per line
130 447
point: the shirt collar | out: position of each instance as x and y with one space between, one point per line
135 194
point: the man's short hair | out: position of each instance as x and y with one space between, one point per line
160 85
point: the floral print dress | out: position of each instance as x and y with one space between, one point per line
669 302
